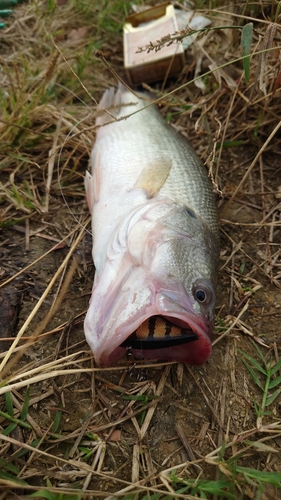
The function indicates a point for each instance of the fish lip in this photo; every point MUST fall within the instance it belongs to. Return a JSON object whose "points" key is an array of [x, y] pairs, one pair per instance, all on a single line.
{"points": [[195, 352]]}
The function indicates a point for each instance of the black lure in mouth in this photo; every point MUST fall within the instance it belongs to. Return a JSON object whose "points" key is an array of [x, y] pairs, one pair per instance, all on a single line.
{"points": [[158, 333]]}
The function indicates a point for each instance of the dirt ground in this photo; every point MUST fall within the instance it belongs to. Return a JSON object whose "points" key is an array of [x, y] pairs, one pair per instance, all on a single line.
{"points": [[123, 430]]}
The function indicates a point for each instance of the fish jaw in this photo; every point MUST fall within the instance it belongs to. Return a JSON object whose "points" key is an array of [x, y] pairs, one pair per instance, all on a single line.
{"points": [[141, 276], [193, 353], [125, 309]]}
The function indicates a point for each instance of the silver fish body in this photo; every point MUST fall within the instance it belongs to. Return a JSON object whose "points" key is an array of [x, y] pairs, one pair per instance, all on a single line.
{"points": [[155, 234]]}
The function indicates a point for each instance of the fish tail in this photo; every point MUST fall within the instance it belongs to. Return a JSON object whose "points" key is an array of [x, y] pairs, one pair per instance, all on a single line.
{"points": [[106, 102], [115, 103]]}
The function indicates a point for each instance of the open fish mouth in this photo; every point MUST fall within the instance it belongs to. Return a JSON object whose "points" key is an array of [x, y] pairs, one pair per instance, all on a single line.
{"points": [[157, 332], [151, 323], [166, 338]]}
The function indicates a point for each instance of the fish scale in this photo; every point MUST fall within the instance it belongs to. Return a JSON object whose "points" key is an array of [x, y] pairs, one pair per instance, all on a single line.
{"points": [[155, 233]]}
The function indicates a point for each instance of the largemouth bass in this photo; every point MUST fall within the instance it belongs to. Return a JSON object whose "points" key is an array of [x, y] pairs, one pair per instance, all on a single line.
{"points": [[155, 238]]}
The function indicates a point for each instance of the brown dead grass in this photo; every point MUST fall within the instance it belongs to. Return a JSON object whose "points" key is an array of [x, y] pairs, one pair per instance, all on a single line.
{"points": [[112, 432]]}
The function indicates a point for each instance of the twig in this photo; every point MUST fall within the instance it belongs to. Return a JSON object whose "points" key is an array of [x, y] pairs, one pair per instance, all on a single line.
{"points": [[187, 447], [136, 463], [152, 409], [235, 320]]}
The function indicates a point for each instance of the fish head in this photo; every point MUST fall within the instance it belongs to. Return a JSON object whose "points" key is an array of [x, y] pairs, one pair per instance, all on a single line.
{"points": [[161, 261]]}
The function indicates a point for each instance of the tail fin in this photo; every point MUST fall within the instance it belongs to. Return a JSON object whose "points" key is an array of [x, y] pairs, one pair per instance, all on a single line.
{"points": [[115, 103], [106, 102]]}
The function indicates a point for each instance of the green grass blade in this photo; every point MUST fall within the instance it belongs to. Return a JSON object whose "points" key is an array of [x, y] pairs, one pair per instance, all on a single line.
{"points": [[205, 487], [23, 452], [9, 404], [25, 407], [246, 41], [49, 495], [182, 490], [274, 382], [203, 496], [217, 488], [253, 374], [9, 429], [8, 466], [254, 363], [142, 417], [137, 397], [260, 446], [276, 367], [57, 420], [15, 420], [87, 453], [271, 398], [260, 353], [273, 478], [9, 477], [222, 451]]}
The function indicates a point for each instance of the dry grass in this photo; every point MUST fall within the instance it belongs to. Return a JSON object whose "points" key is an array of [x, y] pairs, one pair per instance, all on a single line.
{"points": [[69, 429]]}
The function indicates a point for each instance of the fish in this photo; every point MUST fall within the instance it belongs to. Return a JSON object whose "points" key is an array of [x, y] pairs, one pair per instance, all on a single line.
{"points": [[155, 238]]}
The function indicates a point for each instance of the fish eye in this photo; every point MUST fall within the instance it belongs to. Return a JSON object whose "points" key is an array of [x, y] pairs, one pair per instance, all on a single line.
{"points": [[202, 293]]}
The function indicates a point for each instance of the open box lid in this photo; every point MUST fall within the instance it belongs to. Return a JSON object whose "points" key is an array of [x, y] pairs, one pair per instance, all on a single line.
{"points": [[143, 27]]}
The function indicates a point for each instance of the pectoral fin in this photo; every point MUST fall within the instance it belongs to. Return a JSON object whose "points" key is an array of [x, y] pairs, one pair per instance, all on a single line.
{"points": [[154, 176]]}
